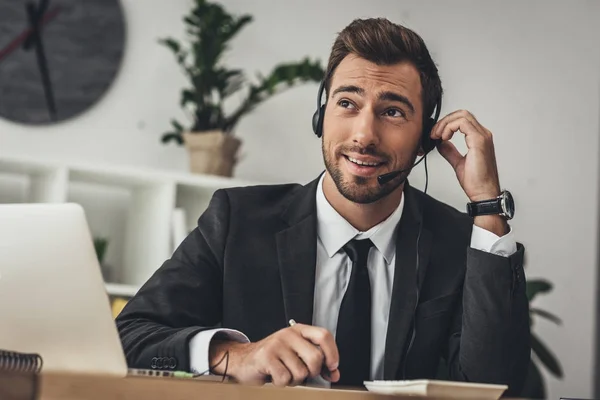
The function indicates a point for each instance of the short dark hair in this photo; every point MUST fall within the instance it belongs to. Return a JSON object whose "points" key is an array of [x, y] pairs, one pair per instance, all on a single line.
{"points": [[384, 43]]}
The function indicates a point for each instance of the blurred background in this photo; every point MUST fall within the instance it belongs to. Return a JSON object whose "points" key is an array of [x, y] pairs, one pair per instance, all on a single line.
{"points": [[91, 111]]}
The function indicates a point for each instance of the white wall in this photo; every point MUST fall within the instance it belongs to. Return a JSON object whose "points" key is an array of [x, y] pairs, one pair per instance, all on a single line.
{"points": [[528, 70]]}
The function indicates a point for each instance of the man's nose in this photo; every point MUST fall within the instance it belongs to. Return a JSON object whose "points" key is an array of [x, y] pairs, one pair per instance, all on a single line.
{"points": [[365, 129]]}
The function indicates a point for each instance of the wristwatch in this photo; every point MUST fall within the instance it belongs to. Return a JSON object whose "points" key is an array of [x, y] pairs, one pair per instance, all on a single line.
{"points": [[502, 205]]}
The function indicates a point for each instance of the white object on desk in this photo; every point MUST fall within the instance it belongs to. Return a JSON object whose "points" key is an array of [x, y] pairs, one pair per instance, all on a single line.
{"points": [[52, 297], [438, 389]]}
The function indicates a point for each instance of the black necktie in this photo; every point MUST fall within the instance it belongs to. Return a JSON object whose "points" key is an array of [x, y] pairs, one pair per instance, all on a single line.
{"points": [[353, 334]]}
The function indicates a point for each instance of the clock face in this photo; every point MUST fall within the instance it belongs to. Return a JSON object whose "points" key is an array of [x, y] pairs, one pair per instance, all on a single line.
{"points": [[57, 57]]}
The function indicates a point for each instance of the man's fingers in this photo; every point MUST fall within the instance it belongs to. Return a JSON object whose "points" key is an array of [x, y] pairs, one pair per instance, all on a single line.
{"points": [[450, 153], [473, 137], [473, 120], [311, 355], [332, 376], [295, 365], [440, 127], [323, 338], [279, 373]]}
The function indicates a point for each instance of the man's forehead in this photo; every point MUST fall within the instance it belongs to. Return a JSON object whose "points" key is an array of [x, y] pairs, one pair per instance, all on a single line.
{"points": [[402, 77]]}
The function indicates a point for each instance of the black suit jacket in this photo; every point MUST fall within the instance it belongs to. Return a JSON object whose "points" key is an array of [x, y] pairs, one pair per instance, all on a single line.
{"points": [[250, 265]]}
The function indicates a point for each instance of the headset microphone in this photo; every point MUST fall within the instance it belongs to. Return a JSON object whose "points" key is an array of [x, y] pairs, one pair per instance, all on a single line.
{"points": [[385, 178]]}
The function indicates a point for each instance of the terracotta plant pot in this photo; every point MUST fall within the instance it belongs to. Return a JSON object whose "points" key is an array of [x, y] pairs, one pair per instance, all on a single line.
{"points": [[212, 152]]}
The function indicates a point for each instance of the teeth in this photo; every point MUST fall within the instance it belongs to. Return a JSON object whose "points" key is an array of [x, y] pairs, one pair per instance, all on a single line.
{"points": [[355, 161]]}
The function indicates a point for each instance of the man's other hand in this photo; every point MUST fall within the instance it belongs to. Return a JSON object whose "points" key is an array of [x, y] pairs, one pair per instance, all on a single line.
{"points": [[288, 357]]}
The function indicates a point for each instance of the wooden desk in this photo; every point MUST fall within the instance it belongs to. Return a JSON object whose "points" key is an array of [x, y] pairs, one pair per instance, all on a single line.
{"points": [[82, 387]]}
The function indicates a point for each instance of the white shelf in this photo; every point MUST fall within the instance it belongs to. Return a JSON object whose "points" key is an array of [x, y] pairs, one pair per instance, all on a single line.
{"points": [[122, 175], [142, 236], [119, 289]]}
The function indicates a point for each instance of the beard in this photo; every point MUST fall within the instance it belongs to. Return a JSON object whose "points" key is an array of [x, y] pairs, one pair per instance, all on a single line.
{"points": [[358, 189]]}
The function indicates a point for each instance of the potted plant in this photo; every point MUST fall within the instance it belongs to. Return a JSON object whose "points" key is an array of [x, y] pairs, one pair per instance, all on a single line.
{"points": [[208, 135]]}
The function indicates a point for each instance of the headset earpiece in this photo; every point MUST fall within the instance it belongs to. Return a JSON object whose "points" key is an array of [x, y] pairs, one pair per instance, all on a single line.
{"points": [[317, 121], [319, 115], [427, 143]]}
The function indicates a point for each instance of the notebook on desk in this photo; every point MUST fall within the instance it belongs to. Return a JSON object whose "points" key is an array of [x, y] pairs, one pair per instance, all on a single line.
{"points": [[437, 389]]}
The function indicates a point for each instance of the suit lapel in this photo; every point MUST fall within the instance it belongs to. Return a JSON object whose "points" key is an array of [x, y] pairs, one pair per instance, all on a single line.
{"points": [[297, 254], [405, 289]]}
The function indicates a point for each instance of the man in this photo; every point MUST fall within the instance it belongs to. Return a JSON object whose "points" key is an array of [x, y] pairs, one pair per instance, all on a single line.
{"points": [[383, 281]]}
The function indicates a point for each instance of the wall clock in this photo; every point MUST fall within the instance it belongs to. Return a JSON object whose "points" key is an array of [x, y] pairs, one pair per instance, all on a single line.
{"points": [[57, 57]]}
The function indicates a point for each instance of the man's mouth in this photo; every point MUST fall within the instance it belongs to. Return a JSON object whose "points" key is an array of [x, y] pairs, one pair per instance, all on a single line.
{"points": [[364, 163]]}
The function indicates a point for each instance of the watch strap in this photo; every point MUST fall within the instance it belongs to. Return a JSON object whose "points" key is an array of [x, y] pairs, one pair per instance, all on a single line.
{"points": [[485, 207]]}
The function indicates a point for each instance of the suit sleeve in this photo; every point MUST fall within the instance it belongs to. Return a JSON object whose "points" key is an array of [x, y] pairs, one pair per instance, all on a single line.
{"points": [[183, 297], [489, 340]]}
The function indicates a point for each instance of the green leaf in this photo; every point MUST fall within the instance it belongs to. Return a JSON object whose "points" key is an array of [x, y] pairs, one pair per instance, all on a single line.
{"points": [[187, 96], [535, 287], [171, 44], [193, 20], [228, 81], [231, 31], [181, 57], [167, 137], [178, 127], [545, 356], [100, 245], [546, 314]]}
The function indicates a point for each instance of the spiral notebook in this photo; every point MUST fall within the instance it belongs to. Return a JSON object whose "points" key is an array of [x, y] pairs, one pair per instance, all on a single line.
{"points": [[12, 361], [19, 374]]}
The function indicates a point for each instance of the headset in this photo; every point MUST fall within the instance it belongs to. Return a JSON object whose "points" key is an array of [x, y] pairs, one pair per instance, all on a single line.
{"points": [[427, 145]]}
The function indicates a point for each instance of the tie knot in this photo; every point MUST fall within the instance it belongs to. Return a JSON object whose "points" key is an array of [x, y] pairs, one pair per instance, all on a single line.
{"points": [[358, 250]]}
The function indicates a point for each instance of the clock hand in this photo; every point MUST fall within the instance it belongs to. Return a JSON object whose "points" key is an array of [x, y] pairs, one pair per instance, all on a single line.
{"points": [[39, 13], [23, 36], [34, 18]]}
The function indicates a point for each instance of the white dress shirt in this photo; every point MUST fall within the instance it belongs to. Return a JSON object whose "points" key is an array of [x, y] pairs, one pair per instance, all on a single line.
{"points": [[332, 274]]}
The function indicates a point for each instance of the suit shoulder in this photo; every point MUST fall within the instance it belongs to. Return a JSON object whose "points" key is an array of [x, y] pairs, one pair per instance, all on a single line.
{"points": [[262, 191], [261, 196]]}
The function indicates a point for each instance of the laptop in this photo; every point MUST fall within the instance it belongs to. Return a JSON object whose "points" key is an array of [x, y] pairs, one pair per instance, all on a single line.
{"points": [[52, 296]]}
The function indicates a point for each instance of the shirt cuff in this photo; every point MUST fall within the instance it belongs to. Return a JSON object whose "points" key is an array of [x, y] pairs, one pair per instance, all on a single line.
{"points": [[200, 346], [484, 240]]}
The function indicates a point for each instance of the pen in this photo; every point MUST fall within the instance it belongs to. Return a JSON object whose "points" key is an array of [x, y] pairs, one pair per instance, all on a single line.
{"points": [[324, 370]]}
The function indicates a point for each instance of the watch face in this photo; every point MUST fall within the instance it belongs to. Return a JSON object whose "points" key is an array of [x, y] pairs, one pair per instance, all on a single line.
{"points": [[508, 204]]}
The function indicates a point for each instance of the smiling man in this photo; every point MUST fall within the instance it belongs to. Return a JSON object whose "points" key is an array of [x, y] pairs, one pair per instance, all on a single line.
{"points": [[381, 280]]}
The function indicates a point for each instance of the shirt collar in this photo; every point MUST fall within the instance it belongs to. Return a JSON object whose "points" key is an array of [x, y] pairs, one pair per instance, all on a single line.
{"points": [[334, 231]]}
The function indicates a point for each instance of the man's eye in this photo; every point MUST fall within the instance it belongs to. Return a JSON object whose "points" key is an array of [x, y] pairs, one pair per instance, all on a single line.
{"points": [[345, 104], [394, 112]]}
